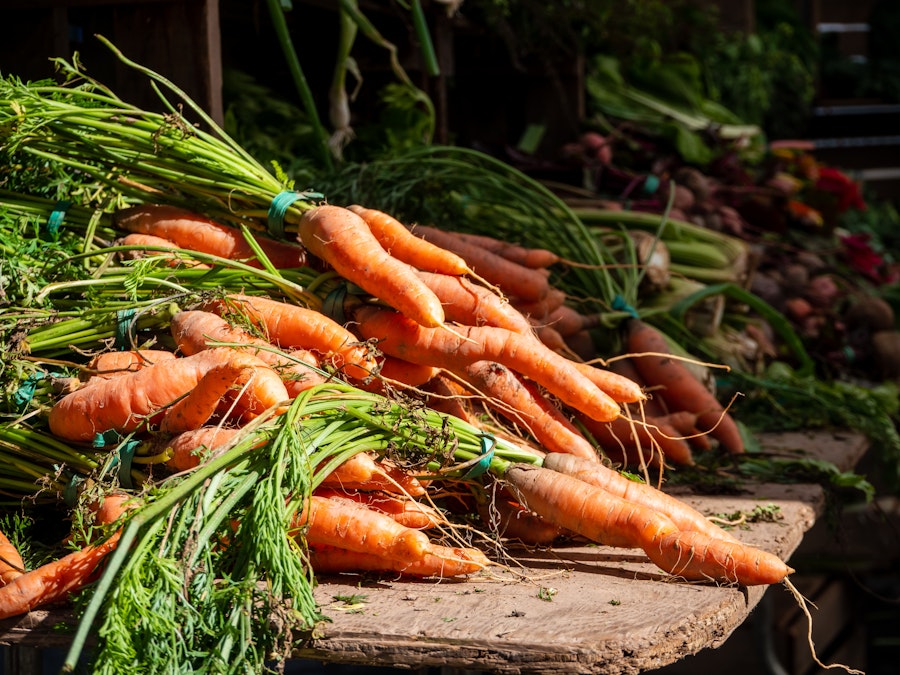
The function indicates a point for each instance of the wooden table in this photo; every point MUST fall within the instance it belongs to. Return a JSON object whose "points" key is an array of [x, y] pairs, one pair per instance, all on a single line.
{"points": [[578, 609]]}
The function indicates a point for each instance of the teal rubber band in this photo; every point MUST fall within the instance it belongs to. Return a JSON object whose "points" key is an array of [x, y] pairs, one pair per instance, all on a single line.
{"points": [[651, 184], [57, 216], [620, 305], [124, 459], [23, 395], [488, 444], [277, 210], [124, 333], [70, 492], [104, 438]]}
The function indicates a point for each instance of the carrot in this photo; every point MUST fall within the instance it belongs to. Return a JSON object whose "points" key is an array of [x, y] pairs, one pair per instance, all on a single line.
{"points": [[150, 241], [685, 423], [193, 330], [347, 524], [525, 406], [678, 386], [607, 519], [640, 441], [474, 305], [197, 233], [683, 516], [129, 402], [450, 398], [406, 511], [293, 327], [11, 564], [403, 245], [505, 517], [568, 320], [442, 562], [363, 472], [652, 405], [112, 364], [405, 372], [455, 351], [188, 449], [343, 240], [535, 258], [53, 582], [619, 388], [513, 279], [539, 310]]}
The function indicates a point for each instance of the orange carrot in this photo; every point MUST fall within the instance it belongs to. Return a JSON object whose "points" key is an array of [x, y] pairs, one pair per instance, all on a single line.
{"points": [[599, 475], [607, 519], [678, 386], [535, 258], [193, 330], [403, 245], [112, 364], [640, 440], [188, 449], [342, 239], [405, 339], [11, 564], [347, 524], [474, 305], [619, 388], [505, 517], [293, 327], [567, 320], [685, 423], [539, 310], [442, 562], [197, 233], [405, 372], [363, 472], [404, 510], [513, 279], [128, 402], [53, 582], [652, 404], [148, 241], [527, 407]]}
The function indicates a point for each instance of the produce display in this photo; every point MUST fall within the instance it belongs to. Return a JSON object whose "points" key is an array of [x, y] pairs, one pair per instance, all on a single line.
{"points": [[231, 385]]}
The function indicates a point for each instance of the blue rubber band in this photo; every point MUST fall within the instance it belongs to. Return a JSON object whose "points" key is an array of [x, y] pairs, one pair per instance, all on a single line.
{"points": [[70, 492], [651, 184], [277, 210], [57, 216], [124, 333], [123, 459], [103, 439], [23, 395], [620, 305], [488, 444]]}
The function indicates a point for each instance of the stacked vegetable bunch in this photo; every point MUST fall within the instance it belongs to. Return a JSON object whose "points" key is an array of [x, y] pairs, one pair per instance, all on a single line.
{"points": [[235, 385]]}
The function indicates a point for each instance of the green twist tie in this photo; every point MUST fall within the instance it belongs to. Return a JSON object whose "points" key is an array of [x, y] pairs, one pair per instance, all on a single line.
{"points": [[488, 443], [103, 439], [123, 459], [333, 304], [279, 206], [57, 216], [124, 334], [70, 492], [620, 305]]}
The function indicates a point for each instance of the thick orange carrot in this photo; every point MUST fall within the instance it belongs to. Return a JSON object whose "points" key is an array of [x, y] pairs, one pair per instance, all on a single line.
{"points": [[403, 245], [535, 258], [441, 562], [293, 327], [405, 372], [678, 386], [112, 364], [11, 564], [128, 402], [148, 241], [404, 510], [640, 440], [607, 519], [619, 388], [405, 339], [567, 320], [194, 330], [506, 518], [189, 448], [513, 279], [363, 472], [683, 516], [474, 305], [343, 240], [53, 582], [526, 407], [539, 310], [347, 524], [195, 232]]}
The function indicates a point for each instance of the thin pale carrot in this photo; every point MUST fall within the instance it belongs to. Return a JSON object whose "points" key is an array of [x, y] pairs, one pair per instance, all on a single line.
{"points": [[127, 403], [474, 305], [293, 327], [607, 519], [513, 279], [619, 388], [11, 564], [526, 407], [441, 562], [567, 320], [196, 232], [539, 310], [535, 258], [506, 518], [599, 475], [640, 440], [454, 351], [678, 386], [347, 524], [343, 240], [196, 330]]}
